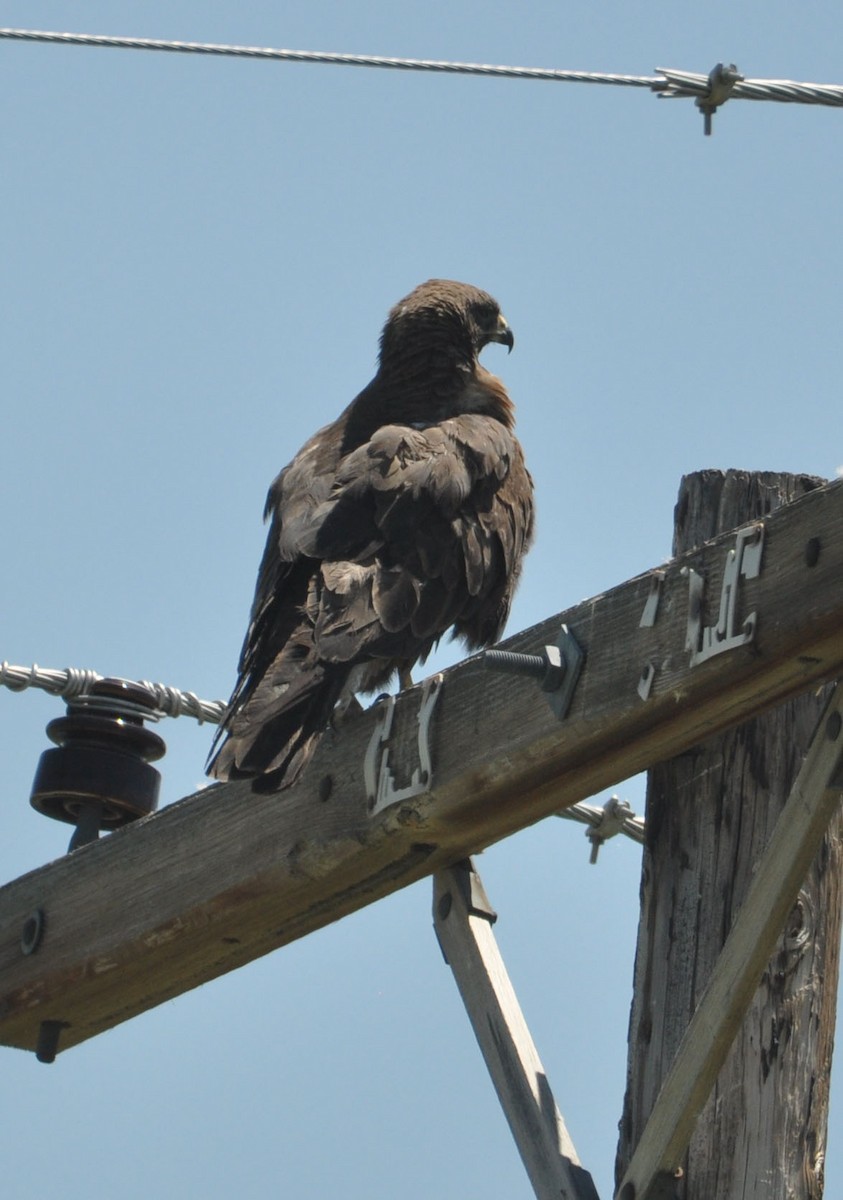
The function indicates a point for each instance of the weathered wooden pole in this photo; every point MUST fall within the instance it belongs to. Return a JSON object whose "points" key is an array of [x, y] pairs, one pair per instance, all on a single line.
{"points": [[710, 813]]}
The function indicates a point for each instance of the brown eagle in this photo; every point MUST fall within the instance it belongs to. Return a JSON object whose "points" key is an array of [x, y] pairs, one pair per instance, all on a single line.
{"points": [[406, 517]]}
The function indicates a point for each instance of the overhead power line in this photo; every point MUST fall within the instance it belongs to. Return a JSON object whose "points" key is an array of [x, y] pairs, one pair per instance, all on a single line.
{"points": [[73, 682], [722, 83], [325, 57]]}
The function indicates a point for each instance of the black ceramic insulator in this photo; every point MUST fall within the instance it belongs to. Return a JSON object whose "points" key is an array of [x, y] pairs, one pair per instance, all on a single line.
{"points": [[99, 776]]}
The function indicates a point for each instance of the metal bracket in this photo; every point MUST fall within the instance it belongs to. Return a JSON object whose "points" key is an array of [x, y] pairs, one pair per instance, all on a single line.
{"points": [[645, 680], [651, 607], [743, 561], [381, 791], [573, 658]]}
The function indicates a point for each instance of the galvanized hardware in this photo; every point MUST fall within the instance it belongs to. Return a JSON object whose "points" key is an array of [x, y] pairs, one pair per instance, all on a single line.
{"points": [[380, 782], [651, 606], [547, 667], [465, 878], [557, 668], [613, 817], [744, 561], [98, 776], [471, 886], [648, 620], [33, 931], [721, 82], [612, 822], [645, 681]]}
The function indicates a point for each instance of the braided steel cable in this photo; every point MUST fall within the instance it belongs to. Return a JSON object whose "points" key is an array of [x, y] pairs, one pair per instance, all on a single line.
{"points": [[667, 81], [73, 682]]}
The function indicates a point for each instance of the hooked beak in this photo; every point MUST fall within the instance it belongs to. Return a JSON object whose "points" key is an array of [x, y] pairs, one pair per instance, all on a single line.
{"points": [[504, 334]]}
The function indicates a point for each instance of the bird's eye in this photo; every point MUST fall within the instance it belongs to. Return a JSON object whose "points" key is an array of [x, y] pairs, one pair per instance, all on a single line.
{"points": [[486, 316]]}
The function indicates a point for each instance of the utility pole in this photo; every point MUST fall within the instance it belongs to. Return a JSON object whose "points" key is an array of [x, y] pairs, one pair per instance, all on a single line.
{"points": [[710, 814]]}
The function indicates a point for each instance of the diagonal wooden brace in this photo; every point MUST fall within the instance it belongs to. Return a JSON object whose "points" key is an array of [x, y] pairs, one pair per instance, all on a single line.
{"points": [[463, 921]]}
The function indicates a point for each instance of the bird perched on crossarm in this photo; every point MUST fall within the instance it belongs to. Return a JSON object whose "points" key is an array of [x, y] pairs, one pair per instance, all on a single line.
{"points": [[406, 517]]}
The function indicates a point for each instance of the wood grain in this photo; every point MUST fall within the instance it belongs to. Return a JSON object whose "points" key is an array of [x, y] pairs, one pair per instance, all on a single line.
{"points": [[464, 930], [710, 814], [224, 876]]}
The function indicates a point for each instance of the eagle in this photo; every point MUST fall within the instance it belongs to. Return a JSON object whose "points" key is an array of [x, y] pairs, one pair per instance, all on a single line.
{"points": [[406, 517]]}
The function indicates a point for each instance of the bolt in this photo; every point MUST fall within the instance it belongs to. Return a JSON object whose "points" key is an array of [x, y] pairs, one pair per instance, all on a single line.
{"points": [[47, 1046], [548, 667], [88, 823]]}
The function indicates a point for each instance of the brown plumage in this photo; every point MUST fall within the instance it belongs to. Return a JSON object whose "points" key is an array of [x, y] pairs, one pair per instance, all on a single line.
{"points": [[406, 517]]}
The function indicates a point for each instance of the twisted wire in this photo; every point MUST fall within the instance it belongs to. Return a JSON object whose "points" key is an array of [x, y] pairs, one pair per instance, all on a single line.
{"points": [[667, 81], [73, 682], [318, 56], [785, 91]]}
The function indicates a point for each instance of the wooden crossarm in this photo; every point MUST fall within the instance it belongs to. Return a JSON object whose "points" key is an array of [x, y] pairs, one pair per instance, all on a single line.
{"points": [[224, 876]]}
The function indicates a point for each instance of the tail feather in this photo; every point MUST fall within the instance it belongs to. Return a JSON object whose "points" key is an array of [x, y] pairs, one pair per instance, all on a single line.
{"points": [[271, 737]]}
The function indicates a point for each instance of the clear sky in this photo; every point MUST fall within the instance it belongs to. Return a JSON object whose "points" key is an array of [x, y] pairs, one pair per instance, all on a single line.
{"points": [[198, 255]]}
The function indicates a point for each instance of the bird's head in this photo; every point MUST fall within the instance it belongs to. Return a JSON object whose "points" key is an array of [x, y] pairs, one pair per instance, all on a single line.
{"points": [[443, 318]]}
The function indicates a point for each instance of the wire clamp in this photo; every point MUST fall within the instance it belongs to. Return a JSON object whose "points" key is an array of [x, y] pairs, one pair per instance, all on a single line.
{"points": [[721, 81], [710, 91], [611, 822]]}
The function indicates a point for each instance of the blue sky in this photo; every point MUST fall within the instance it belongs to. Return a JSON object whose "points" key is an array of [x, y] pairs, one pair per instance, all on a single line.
{"points": [[198, 255]]}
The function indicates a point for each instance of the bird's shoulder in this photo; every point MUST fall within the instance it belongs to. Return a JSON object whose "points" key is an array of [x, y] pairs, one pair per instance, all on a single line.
{"points": [[392, 454]]}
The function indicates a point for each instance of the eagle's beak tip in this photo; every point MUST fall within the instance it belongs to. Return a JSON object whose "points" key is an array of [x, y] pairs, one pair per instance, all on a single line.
{"points": [[505, 336]]}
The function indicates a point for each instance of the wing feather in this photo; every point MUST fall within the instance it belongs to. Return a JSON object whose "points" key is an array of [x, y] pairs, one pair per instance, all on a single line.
{"points": [[384, 533]]}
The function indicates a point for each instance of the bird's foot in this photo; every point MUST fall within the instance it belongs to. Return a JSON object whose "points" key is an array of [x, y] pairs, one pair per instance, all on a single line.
{"points": [[344, 707]]}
